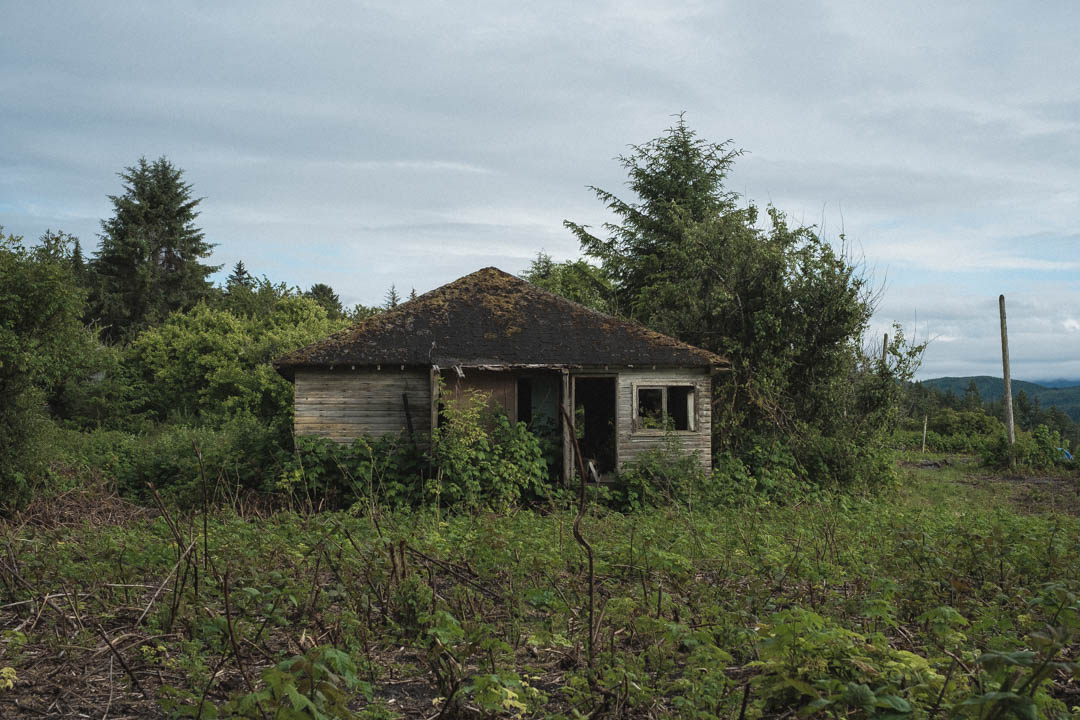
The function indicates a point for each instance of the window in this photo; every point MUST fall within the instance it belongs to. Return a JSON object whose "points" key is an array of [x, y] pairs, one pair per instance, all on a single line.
{"points": [[659, 406]]}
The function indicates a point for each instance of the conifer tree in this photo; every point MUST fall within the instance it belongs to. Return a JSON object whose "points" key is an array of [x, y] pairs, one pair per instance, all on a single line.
{"points": [[239, 277], [392, 298], [148, 264], [327, 298]]}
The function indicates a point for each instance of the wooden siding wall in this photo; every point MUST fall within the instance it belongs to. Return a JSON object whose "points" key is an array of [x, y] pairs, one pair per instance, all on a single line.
{"points": [[344, 404], [499, 386], [631, 443]]}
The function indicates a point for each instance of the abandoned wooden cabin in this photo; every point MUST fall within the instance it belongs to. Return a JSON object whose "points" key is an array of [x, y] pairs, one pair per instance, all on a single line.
{"points": [[530, 351]]}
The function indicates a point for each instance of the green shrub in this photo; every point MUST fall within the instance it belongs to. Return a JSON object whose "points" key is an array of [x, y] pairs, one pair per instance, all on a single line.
{"points": [[475, 458], [965, 422], [317, 685], [482, 459], [388, 470], [242, 454], [662, 476], [1037, 450]]}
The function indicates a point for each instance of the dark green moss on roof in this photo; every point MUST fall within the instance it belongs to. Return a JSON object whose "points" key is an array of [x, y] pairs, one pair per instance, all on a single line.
{"points": [[492, 317]]}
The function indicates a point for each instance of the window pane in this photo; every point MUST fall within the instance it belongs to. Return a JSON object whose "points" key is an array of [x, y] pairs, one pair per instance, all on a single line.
{"points": [[650, 407], [678, 406]]}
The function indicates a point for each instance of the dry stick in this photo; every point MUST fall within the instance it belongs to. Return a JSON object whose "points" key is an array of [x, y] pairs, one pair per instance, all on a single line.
{"points": [[75, 607], [123, 663], [213, 676], [46, 600], [168, 518], [108, 705], [456, 573], [577, 527], [941, 695], [165, 582], [202, 475], [232, 637], [180, 583]]}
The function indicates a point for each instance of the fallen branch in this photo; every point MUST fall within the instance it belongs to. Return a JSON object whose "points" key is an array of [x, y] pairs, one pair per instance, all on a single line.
{"points": [[123, 663]]}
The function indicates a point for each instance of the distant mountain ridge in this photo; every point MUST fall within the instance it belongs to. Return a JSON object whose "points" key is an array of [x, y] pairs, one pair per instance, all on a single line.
{"points": [[1065, 397]]}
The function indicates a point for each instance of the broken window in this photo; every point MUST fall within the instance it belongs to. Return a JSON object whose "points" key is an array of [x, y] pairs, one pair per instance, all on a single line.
{"points": [[650, 407], [667, 406]]}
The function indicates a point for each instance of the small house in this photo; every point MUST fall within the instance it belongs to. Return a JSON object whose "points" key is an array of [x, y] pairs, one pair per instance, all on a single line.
{"points": [[530, 351]]}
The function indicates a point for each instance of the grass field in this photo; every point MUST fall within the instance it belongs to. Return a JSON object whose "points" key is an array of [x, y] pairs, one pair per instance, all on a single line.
{"points": [[955, 595]]}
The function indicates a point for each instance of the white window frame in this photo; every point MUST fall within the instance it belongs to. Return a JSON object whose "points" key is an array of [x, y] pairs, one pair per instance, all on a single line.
{"points": [[691, 406]]}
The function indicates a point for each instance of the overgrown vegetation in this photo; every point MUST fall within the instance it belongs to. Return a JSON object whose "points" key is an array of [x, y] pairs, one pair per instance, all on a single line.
{"points": [[941, 599]]}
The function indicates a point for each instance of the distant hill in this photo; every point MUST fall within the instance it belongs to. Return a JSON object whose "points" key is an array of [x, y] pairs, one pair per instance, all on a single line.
{"points": [[1067, 399]]}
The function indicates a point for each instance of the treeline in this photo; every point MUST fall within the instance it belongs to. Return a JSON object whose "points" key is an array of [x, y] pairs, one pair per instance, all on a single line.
{"points": [[117, 364], [121, 365], [967, 423]]}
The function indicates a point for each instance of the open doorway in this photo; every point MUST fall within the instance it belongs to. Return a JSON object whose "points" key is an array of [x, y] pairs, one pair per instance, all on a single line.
{"points": [[594, 418]]}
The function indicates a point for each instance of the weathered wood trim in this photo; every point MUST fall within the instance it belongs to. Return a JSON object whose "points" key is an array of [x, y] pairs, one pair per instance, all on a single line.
{"points": [[567, 440]]}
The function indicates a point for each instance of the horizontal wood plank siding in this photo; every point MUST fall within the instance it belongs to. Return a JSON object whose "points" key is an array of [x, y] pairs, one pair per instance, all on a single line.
{"points": [[342, 405], [500, 388], [631, 443]]}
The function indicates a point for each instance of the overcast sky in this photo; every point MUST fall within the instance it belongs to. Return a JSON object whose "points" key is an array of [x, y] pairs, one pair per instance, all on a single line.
{"points": [[364, 144]]}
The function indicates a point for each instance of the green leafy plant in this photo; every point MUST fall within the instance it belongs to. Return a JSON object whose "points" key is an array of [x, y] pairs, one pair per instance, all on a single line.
{"points": [[482, 459], [317, 685]]}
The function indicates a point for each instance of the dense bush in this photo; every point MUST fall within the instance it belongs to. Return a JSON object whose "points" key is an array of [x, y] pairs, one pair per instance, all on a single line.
{"points": [[662, 476], [387, 470], [482, 459], [788, 308], [938, 443], [211, 365], [965, 422], [1040, 449], [41, 339]]}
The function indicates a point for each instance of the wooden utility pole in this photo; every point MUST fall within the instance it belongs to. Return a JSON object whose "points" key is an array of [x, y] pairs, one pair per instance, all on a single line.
{"points": [[1005, 371], [924, 419], [885, 350]]}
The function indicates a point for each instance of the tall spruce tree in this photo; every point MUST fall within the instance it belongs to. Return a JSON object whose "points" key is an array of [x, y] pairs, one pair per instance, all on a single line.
{"points": [[148, 263]]}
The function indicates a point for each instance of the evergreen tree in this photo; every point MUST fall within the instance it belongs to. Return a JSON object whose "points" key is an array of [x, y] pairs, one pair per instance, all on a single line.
{"points": [[42, 344], [575, 280], [78, 264], [239, 277], [1022, 410], [361, 312], [392, 298], [678, 180], [148, 263], [327, 298], [972, 398], [412, 294]]}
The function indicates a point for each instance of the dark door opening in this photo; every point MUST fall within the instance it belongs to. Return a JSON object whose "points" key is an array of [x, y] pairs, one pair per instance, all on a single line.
{"points": [[524, 401], [594, 418]]}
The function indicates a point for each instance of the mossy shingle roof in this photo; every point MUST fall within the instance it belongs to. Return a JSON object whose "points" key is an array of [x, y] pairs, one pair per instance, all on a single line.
{"points": [[493, 318]]}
